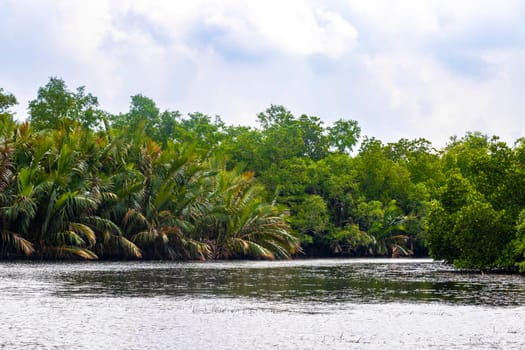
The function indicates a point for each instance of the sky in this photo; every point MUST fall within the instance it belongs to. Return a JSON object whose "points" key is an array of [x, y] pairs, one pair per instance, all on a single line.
{"points": [[402, 69]]}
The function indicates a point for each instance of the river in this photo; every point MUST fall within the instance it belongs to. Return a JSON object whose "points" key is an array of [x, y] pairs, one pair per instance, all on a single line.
{"points": [[298, 304]]}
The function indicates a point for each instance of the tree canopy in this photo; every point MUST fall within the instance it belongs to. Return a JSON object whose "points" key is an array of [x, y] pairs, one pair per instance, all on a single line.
{"points": [[155, 184]]}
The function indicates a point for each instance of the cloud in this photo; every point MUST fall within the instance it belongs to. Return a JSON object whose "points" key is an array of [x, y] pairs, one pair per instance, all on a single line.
{"points": [[402, 69], [290, 27]]}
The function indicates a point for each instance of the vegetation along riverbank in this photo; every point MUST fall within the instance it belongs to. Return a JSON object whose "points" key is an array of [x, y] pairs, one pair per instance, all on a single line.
{"points": [[78, 182]]}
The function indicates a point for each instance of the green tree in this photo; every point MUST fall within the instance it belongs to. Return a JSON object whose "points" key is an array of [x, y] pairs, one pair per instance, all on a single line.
{"points": [[241, 145], [273, 116], [241, 224], [338, 185], [199, 129], [159, 219], [7, 101], [464, 228], [314, 139], [11, 241], [482, 235], [379, 177], [310, 219], [344, 135], [389, 232], [519, 242], [168, 126], [56, 107], [143, 118]]}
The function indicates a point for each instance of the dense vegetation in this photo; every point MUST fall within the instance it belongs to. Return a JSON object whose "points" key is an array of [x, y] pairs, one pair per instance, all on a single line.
{"points": [[76, 181]]}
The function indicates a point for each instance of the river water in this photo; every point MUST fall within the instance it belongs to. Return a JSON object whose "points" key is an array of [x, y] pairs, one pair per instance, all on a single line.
{"points": [[300, 304]]}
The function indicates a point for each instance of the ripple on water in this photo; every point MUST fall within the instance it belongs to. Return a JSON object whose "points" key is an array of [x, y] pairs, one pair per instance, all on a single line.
{"points": [[282, 305]]}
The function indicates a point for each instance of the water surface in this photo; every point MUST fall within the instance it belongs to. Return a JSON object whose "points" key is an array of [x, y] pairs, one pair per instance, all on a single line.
{"points": [[301, 304]]}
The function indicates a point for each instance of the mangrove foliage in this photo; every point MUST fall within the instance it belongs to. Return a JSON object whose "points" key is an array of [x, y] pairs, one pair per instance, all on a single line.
{"points": [[79, 182]]}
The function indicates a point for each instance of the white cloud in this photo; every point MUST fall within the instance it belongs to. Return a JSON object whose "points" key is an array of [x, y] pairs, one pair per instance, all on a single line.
{"points": [[403, 69]]}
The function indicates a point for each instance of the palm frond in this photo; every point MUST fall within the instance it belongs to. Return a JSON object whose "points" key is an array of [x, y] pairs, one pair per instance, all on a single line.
{"points": [[145, 237], [12, 241], [134, 216], [85, 231], [101, 224], [66, 251], [130, 248], [196, 249], [242, 247], [66, 237]]}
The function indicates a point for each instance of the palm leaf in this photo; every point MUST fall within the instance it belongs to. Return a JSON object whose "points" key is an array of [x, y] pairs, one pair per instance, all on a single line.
{"points": [[67, 237], [101, 224], [11, 240], [145, 237], [70, 251], [85, 231], [135, 216], [250, 248], [127, 246]]}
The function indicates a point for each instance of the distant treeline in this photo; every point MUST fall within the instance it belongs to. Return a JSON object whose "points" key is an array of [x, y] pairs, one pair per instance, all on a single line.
{"points": [[78, 182]]}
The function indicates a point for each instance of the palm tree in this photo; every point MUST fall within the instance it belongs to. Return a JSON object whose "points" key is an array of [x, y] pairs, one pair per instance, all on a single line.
{"points": [[389, 233], [51, 181], [159, 221], [110, 239], [10, 241], [241, 224], [109, 180]]}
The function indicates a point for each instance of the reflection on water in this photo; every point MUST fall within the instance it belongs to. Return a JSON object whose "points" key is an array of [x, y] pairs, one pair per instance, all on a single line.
{"points": [[359, 303], [359, 281]]}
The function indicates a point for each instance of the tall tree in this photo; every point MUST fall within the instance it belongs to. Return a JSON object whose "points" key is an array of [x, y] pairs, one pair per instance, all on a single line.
{"points": [[56, 107], [7, 101], [143, 117], [344, 135]]}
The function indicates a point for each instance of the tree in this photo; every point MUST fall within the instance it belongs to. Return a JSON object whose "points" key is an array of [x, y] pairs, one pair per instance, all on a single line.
{"points": [[11, 241], [285, 137], [312, 132], [388, 231], [241, 146], [482, 235], [7, 100], [56, 107], [518, 243], [464, 228], [143, 118], [338, 185], [351, 240], [487, 163], [310, 219], [420, 158], [241, 224], [7, 122], [199, 129], [344, 134], [168, 126], [379, 177], [160, 219], [273, 116]]}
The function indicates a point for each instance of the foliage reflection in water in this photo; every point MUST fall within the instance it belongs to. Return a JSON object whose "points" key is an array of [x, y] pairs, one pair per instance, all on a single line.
{"points": [[336, 304], [358, 281]]}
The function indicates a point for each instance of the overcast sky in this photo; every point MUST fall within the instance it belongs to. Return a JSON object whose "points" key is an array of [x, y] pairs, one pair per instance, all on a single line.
{"points": [[402, 69]]}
